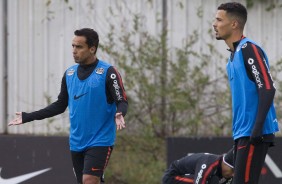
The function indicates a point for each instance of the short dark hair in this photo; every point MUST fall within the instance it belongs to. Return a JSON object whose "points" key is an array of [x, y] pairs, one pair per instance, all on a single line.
{"points": [[237, 10], [92, 38]]}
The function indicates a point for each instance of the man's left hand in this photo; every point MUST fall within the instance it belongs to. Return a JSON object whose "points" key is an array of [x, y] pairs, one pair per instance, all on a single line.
{"points": [[119, 121]]}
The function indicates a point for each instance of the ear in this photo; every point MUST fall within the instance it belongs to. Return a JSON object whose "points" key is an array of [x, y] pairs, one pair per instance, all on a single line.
{"points": [[92, 49], [235, 24]]}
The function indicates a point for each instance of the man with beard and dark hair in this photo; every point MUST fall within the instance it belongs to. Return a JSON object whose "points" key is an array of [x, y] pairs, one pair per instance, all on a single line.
{"points": [[94, 94], [252, 89]]}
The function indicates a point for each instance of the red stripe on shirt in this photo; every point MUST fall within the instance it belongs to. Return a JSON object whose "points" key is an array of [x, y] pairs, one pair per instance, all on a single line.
{"points": [[248, 165], [186, 180], [211, 167], [262, 67]]}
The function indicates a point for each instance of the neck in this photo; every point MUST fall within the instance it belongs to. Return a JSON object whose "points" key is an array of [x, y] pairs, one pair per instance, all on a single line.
{"points": [[233, 38], [90, 60]]}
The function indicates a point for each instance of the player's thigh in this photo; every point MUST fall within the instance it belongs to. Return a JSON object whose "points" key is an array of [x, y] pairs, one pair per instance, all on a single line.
{"points": [[96, 159], [78, 164], [249, 160]]}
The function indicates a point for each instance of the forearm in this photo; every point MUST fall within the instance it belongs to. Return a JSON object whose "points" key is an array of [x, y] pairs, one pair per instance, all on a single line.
{"points": [[265, 100], [47, 112], [51, 110], [122, 107]]}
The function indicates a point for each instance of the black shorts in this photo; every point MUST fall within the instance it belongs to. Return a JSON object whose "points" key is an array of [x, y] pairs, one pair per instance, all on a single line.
{"points": [[248, 160], [92, 161]]}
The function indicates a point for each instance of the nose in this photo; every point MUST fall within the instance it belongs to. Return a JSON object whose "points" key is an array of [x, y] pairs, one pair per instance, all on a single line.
{"points": [[214, 24], [73, 50]]}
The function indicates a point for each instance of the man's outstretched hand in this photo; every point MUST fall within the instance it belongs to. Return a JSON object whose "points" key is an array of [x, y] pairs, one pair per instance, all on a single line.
{"points": [[18, 120]]}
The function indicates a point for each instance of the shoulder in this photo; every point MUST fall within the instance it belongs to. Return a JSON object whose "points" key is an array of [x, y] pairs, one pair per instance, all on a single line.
{"points": [[252, 50], [210, 160], [248, 44], [71, 70], [102, 67], [104, 64], [205, 158]]}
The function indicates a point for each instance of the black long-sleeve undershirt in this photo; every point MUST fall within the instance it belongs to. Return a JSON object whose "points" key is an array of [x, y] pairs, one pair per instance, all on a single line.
{"points": [[114, 91]]}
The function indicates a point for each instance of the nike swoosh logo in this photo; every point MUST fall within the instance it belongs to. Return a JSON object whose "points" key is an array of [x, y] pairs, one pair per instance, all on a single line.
{"points": [[21, 178], [94, 169], [77, 97]]}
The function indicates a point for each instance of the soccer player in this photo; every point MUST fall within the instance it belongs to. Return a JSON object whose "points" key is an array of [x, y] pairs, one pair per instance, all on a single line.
{"points": [[252, 90], [94, 94], [201, 168]]}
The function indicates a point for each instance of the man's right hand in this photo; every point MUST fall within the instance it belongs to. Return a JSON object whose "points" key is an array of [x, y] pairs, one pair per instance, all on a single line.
{"points": [[256, 140], [18, 120]]}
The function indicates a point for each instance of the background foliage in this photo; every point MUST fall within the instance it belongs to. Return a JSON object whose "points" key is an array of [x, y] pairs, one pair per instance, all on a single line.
{"points": [[189, 102]]}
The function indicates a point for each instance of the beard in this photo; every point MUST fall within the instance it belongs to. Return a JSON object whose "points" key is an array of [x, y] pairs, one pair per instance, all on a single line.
{"points": [[78, 61], [218, 37]]}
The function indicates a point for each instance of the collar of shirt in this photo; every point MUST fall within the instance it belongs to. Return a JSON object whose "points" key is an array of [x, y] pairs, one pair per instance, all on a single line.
{"points": [[235, 44]]}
